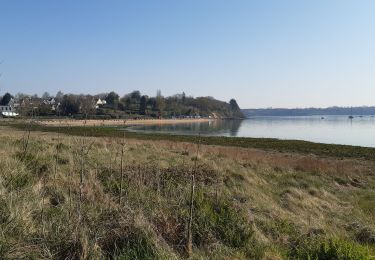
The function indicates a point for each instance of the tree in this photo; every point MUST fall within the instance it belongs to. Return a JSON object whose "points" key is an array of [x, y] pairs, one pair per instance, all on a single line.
{"points": [[46, 96], [132, 101], [87, 104], [233, 105], [59, 96], [70, 105], [143, 105], [112, 99], [159, 103], [20, 96], [136, 96], [151, 102], [44, 109], [6, 99], [235, 110]]}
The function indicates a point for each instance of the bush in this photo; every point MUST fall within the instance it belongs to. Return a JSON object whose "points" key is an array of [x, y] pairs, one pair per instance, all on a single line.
{"points": [[366, 235]]}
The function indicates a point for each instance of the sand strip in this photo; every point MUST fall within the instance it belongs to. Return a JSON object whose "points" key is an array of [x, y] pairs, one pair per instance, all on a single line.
{"points": [[117, 122]]}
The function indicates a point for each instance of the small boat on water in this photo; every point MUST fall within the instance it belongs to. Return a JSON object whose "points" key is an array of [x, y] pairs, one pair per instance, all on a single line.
{"points": [[351, 113]]}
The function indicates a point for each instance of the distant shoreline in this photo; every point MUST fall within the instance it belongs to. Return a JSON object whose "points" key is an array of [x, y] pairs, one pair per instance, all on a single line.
{"points": [[119, 122], [330, 111]]}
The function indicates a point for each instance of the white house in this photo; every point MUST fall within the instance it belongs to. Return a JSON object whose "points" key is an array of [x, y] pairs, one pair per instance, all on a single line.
{"points": [[50, 101], [7, 108], [100, 103], [9, 114], [8, 111]]}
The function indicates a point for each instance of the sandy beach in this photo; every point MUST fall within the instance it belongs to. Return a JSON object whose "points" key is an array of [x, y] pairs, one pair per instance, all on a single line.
{"points": [[117, 122]]}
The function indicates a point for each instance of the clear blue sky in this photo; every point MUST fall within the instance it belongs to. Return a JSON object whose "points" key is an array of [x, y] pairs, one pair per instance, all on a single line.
{"points": [[264, 53]]}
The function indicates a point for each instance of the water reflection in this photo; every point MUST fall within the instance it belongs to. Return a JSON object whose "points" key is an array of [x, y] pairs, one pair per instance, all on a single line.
{"points": [[328, 129], [213, 127]]}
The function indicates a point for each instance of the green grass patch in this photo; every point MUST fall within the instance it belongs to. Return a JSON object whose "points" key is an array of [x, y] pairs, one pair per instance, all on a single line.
{"points": [[219, 220], [129, 243], [366, 202], [328, 248]]}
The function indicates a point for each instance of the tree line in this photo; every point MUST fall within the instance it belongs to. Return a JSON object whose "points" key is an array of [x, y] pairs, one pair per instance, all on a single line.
{"points": [[133, 104]]}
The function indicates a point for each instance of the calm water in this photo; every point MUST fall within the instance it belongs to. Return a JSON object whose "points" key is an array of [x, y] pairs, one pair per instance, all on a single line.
{"points": [[331, 129]]}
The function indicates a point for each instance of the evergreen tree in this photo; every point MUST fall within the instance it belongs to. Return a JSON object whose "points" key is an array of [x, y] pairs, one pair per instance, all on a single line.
{"points": [[6, 99], [112, 99], [143, 105]]}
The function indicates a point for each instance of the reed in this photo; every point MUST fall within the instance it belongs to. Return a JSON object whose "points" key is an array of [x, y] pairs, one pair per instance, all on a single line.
{"points": [[122, 166], [192, 193]]}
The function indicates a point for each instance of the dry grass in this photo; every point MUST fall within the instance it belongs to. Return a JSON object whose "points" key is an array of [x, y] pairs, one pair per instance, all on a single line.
{"points": [[273, 198]]}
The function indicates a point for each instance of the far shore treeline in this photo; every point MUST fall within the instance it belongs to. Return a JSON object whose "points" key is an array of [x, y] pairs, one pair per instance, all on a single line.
{"points": [[111, 105], [364, 111]]}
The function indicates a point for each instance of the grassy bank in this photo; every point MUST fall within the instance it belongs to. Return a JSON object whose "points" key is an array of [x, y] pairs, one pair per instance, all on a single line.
{"points": [[106, 197], [294, 146]]}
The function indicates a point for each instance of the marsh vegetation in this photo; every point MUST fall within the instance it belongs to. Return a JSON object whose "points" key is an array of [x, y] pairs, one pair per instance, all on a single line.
{"points": [[95, 196]]}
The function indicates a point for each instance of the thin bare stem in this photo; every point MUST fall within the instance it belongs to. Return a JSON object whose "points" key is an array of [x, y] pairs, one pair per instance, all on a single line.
{"points": [[122, 165], [189, 246]]}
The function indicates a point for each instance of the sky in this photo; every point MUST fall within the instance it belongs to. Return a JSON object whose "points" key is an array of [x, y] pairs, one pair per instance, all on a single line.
{"points": [[268, 53]]}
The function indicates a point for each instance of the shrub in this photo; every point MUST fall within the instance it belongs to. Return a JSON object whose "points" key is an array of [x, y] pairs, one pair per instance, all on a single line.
{"points": [[366, 235]]}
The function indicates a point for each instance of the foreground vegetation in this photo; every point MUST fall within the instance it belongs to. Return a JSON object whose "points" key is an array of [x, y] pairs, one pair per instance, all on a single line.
{"points": [[106, 196]]}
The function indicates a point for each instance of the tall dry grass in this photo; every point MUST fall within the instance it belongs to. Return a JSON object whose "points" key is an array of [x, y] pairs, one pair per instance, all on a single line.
{"points": [[87, 200]]}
